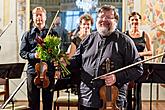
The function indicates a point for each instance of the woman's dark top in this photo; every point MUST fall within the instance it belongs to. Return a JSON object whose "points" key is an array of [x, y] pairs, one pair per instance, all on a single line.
{"points": [[163, 59], [75, 78], [139, 43], [76, 40]]}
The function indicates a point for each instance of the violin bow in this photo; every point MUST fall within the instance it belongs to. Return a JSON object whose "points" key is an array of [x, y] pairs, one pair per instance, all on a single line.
{"points": [[52, 22], [6, 27], [129, 66]]}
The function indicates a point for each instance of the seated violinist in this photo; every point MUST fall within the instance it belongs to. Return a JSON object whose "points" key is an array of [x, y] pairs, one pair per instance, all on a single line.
{"points": [[28, 52], [100, 52]]}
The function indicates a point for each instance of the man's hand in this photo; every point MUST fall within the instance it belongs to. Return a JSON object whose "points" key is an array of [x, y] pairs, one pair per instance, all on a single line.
{"points": [[57, 75], [109, 79], [58, 67], [36, 55], [63, 61]]}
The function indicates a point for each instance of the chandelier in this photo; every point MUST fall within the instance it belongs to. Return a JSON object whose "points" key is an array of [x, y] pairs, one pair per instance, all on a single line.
{"points": [[86, 5]]}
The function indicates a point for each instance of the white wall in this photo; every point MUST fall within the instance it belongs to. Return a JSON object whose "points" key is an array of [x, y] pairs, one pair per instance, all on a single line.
{"points": [[1, 13], [10, 42]]}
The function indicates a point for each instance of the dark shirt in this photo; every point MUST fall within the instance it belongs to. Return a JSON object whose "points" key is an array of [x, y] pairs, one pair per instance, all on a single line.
{"points": [[91, 54], [28, 48]]}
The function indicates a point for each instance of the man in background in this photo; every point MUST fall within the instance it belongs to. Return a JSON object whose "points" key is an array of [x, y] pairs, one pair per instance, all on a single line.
{"points": [[63, 33]]}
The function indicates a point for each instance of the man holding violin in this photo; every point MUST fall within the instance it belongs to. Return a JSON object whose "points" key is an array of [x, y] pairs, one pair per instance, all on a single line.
{"points": [[92, 54], [28, 52]]}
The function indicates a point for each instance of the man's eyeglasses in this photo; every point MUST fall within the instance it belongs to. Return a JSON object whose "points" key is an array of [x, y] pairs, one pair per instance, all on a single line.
{"points": [[105, 17]]}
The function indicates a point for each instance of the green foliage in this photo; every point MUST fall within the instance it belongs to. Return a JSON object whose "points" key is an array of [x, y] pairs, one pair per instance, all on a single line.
{"points": [[51, 48], [51, 51]]}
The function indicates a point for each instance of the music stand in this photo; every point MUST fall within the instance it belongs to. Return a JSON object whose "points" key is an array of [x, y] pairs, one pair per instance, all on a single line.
{"points": [[153, 73], [11, 71]]}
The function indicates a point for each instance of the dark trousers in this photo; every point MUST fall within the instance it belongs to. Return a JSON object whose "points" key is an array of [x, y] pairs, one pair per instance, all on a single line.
{"points": [[34, 94], [129, 99], [81, 107], [137, 105], [137, 92]]}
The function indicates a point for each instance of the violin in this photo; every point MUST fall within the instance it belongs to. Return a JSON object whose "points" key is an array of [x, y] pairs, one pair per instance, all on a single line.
{"points": [[41, 80], [108, 94]]}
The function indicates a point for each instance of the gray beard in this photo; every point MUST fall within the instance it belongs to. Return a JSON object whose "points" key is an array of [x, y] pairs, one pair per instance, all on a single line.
{"points": [[105, 31]]}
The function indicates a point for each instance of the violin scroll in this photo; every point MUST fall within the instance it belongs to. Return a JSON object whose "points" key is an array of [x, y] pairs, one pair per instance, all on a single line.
{"points": [[40, 41]]}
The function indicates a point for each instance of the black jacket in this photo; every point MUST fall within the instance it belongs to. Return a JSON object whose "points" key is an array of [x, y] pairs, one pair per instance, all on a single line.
{"points": [[90, 56]]}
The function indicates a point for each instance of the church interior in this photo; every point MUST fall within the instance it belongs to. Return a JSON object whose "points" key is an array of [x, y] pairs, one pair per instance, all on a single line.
{"points": [[16, 18]]}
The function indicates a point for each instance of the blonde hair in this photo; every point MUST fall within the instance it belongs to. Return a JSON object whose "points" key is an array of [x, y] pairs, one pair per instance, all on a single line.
{"points": [[38, 9]]}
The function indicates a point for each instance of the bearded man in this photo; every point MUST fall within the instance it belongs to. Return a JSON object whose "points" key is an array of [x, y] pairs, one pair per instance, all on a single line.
{"points": [[91, 57]]}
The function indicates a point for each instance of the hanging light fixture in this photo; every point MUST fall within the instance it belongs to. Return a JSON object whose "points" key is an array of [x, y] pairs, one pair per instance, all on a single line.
{"points": [[86, 5]]}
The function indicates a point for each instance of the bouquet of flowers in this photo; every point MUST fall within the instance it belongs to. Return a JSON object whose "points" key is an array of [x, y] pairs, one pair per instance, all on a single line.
{"points": [[49, 49]]}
